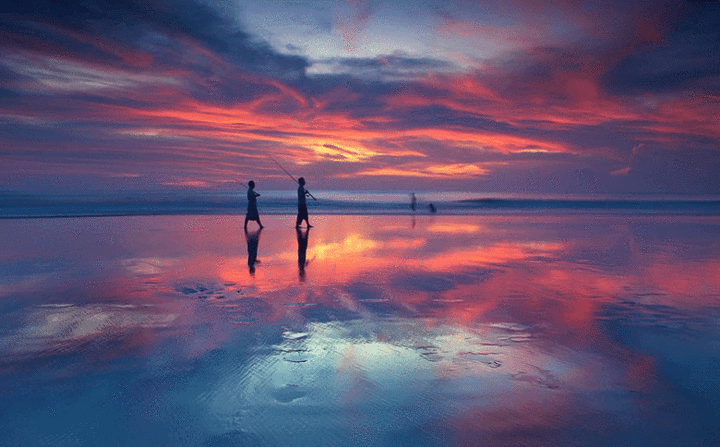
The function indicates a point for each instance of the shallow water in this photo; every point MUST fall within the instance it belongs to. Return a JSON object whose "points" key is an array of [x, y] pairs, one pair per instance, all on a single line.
{"points": [[433, 330], [20, 205]]}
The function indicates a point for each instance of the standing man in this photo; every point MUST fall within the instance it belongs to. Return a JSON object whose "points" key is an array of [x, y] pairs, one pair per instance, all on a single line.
{"points": [[252, 210], [302, 204]]}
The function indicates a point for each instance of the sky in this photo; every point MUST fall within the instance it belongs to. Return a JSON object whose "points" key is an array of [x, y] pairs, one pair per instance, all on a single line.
{"points": [[521, 96]]}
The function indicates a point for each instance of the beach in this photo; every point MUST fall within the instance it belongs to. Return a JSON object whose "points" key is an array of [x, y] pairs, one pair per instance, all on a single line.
{"points": [[487, 329]]}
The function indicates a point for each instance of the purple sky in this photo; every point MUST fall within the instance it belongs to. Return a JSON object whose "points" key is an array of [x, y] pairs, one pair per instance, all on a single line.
{"points": [[499, 96]]}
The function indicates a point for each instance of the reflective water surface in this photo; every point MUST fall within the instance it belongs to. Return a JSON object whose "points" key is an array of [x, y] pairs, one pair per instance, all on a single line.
{"points": [[365, 330]]}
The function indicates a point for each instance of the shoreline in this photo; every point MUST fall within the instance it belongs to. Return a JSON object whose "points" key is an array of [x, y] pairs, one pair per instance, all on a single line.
{"points": [[96, 207], [624, 212]]}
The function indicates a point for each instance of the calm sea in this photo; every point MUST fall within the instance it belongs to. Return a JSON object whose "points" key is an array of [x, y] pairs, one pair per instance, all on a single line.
{"points": [[354, 202]]}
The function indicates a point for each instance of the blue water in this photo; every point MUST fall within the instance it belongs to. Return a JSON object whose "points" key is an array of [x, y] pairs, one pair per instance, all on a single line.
{"points": [[425, 330], [353, 203]]}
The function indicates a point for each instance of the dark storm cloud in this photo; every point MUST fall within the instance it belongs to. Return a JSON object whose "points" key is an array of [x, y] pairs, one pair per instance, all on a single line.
{"points": [[688, 59], [658, 48], [150, 35]]}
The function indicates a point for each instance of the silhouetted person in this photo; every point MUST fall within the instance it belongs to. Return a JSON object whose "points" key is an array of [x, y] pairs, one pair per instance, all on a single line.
{"points": [[302, 238], [252, 211], [413, 202], [253, 239], [302, 204], [432, 208]]}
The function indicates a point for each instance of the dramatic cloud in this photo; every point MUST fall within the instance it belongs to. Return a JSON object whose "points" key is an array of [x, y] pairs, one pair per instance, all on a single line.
{"points": [[509, 96]]}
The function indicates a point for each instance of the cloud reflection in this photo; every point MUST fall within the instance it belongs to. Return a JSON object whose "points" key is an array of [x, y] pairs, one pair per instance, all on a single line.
{"points": [[504, 328]]}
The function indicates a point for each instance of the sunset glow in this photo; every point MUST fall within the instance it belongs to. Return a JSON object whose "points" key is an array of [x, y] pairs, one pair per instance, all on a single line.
{"points": [[503, 98]]}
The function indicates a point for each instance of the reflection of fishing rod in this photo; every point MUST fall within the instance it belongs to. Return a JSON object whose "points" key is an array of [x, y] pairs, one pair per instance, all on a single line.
{"points": [[290, 175]]}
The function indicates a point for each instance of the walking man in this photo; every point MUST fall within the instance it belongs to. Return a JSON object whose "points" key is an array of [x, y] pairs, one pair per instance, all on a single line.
{"points": [[252, 210]]}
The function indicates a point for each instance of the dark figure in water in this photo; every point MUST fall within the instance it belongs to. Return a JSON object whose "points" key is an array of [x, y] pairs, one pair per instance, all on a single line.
{"points": [[302, 204], [432, 208], [302, 238], [413, 202], [252, 211], [253, 239]]}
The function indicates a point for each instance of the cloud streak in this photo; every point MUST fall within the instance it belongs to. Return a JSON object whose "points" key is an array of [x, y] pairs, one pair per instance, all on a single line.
{"points": [[119, 90]]}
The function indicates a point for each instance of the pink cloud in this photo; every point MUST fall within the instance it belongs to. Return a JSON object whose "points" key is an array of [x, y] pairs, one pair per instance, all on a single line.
{"points": [[351, 23]]}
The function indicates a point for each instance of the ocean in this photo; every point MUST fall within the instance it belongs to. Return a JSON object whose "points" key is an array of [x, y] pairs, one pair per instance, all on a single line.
{"points": [[352, 203]]}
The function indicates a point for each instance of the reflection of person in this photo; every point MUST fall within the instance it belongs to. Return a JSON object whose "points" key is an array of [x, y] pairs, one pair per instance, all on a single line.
{"points": [[302, 204], [413, 202], [253, 239], [302, 238], [252, 211]]}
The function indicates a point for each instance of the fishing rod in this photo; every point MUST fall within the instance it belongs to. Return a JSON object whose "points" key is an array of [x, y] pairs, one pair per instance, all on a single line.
{"points": [[244, 185], [290, 175]]}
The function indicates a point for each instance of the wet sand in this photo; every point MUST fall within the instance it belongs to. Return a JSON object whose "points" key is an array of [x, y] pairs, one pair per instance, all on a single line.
{"points": [[365, 330]]}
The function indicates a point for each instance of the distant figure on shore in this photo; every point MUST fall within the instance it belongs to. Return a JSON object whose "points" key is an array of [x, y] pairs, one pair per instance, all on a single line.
{"points": [[253, 240], [302, 204], [413, 202], [432, 208], [252, 211], [302, 238]]}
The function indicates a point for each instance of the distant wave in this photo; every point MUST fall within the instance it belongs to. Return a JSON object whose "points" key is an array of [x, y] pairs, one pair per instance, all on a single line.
{"points": [[674, 206], [17, 206]]}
